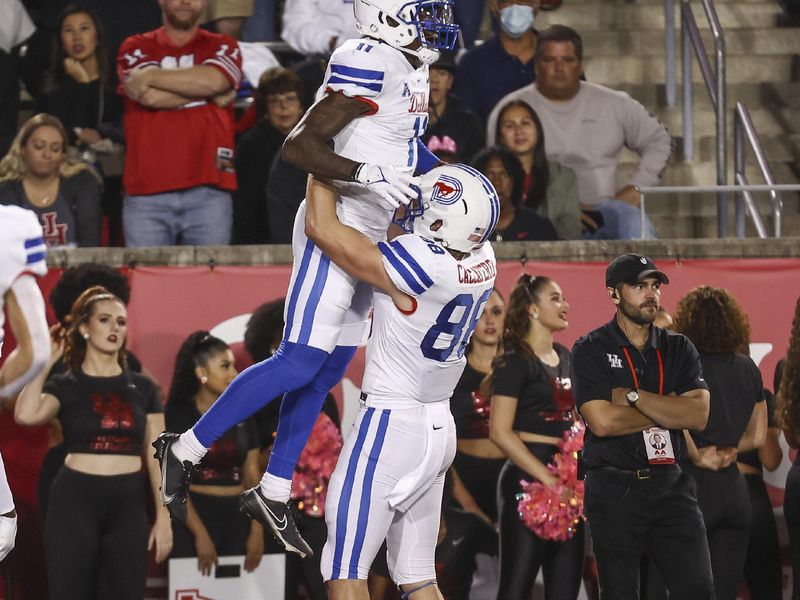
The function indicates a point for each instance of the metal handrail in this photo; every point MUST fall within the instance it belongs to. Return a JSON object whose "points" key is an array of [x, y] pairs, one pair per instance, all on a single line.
{"points": [[715, 85], [743, 126], [745, 189]]}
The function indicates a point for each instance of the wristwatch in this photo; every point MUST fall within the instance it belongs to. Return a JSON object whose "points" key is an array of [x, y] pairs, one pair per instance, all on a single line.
{"points": [[632, 397]]}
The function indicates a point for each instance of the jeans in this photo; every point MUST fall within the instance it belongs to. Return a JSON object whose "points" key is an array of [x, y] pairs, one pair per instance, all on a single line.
{"points": [[198, 216], [260, 26], [621, 221], [659, 515]]}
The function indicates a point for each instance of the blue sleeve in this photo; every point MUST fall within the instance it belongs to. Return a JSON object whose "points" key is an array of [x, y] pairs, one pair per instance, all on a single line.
{"points": [[426, 160]]}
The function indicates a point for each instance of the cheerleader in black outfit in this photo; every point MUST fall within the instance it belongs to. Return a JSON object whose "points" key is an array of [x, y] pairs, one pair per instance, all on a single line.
{"points": [[737, 422], [203, 369], [478, 460], [532, 407], [96, 529], [788, 411]]}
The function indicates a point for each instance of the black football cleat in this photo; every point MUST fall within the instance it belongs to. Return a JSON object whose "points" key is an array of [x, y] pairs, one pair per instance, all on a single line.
{"points": [[277, 517], [175, 476]]}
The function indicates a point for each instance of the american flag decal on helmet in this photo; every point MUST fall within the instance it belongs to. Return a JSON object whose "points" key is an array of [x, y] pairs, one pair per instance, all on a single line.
{"points": [[477, 235]]}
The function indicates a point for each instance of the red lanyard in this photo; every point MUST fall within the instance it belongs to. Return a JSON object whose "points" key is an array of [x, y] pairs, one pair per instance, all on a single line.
{"points": [[660, 371]]}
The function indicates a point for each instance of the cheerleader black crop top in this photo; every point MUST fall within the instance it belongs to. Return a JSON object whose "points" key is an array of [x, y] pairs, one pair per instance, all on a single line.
{"points": [[222, 464], [104, 415], [470, 409], [545, 404]]}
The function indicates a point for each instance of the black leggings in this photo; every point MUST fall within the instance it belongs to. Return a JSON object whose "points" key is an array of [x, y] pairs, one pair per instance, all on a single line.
{"points": [[724, 500], [226, 526], [522, 552], [479, 476], [96, 536], [791, 511], [762, 569]]}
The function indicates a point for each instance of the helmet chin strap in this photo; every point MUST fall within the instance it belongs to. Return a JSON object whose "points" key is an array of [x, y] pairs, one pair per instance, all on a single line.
{"points": [[428, 56]]}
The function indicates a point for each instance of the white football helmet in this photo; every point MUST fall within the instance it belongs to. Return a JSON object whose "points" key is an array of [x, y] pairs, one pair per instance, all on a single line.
{"points": [[463, 200], [400, 22]]}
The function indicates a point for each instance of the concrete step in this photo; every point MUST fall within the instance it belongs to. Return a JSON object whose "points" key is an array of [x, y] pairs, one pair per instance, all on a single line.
{"points": [[650, 42], [705, 173], [679, 226], [615, 70], [587, 16], [775, 93]]}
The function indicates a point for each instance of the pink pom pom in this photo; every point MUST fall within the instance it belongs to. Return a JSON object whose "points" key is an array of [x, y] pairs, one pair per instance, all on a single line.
{"points": [[315, 467], [555, 513]]}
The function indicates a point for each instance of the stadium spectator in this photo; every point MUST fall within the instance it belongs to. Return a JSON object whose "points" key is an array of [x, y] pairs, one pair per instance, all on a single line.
{"points": [[228, 16], [279, 104], [715, 323], [532, 408], [789, 419], [503, 63], [318, 26], [478, 460], [96, 529], [517, 222], [35, 174], [550, 188], [448, 115], [78, 89], [762, 567], [204, 367], [178, 82], [469, 14], [16, 27], [285, 191], [574, 111]]}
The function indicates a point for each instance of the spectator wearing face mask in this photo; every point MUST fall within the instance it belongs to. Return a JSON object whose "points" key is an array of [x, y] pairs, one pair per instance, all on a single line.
{"points": [[503, 63]]}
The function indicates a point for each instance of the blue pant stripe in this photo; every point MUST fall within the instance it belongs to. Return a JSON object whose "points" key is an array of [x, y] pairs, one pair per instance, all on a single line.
{"points": [[366, 494], [298, 284], [313, 299], [347, 492]]}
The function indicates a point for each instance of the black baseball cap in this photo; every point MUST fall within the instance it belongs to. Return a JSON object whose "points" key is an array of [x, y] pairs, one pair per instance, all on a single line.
{"points": [[631, 269]]}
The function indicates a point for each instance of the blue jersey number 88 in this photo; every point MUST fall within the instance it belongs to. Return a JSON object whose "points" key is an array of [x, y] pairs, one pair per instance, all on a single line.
{"points": [[459, 330]]}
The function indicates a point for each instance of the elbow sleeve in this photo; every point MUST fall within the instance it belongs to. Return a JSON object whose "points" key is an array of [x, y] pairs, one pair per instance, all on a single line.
{"points": [[31, 304]]}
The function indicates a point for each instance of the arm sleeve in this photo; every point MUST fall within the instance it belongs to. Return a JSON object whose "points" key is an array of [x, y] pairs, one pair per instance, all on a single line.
{"points": [[31, 304], [226, 57], [645, 135], [304, 30], [88, 214], [6, 499], [426, 160], [410, 263], [564, 208], [509, 375], [690, 375], [591, 377], [355, 73]]}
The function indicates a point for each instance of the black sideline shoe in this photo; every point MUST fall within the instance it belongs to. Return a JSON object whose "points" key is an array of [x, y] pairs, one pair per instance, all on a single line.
{"points": [[175, 477], [277, 518]]}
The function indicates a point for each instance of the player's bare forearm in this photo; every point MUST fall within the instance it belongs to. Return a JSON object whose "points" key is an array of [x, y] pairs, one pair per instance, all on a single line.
{"points": [[161, 100], [307, 146], [605, 419], [687, 411], [198, 82]]}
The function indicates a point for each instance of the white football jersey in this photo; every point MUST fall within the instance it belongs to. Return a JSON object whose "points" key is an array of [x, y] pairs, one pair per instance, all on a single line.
{"points": [[22, 250], [382, 77], [420, 356]]}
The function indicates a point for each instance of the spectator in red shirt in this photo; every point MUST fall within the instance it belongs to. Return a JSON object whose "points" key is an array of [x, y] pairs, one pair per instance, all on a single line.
{"points": [[178, 82]]}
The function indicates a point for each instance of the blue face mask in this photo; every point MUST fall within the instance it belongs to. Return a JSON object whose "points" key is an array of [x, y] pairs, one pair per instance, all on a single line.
{"points": [[516, 19]]}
